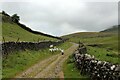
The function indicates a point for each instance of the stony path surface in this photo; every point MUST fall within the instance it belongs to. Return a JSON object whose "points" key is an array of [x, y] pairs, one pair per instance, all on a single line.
{"points": [[50, 67]]}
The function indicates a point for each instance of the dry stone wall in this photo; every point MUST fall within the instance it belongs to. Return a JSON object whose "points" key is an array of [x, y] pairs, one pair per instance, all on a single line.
{"points": [[9, 47]]}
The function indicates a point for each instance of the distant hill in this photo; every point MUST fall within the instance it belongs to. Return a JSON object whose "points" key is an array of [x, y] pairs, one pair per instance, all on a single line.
{"points": [[105, 39], [115, 28], [13, 31], [105, 33]]}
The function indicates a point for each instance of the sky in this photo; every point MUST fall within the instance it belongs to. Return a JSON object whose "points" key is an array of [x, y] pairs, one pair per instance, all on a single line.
{"points": [[61, 17]]}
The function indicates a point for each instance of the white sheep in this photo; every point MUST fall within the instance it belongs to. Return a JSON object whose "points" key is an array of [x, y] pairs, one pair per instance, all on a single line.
{"points": [[51, 46], [54, 49], [51, 50], [57, 49], [62, 51]]}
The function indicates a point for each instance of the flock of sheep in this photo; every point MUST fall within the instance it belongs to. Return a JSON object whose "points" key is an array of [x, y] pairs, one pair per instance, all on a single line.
{"points": [[54, 49], [95, 69]]}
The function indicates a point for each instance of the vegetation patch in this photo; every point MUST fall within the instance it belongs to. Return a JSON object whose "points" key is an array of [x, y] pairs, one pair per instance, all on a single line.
{"points": [[71, 72], [104, 54], [12, 32], [99, 39]]}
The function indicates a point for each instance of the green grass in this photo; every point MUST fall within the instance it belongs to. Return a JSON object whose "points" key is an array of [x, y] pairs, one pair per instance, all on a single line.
{"points": [[11, 32], [101, 54], [107, 40], [70, 71], [19, 61]]}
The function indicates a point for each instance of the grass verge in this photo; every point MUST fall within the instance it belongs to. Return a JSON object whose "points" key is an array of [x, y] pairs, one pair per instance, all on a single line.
{"points": [[71, 72]]}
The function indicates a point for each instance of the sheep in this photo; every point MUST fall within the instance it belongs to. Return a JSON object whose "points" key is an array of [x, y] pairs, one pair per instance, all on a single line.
{"points": [[62, 52], [51, 46], [54, 49], [51, 50]]}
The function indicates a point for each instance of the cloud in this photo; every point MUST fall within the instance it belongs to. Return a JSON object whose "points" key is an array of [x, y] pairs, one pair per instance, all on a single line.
{"points": [[59, 17]]}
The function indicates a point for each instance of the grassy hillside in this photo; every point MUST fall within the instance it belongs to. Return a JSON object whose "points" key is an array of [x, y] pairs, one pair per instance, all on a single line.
{"points": [[114, 29], [12, 31], [103, 45], [102, 39]]}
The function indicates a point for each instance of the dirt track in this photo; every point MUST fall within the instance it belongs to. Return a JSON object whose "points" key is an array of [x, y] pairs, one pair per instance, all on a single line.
{"points": [[50, 67]]}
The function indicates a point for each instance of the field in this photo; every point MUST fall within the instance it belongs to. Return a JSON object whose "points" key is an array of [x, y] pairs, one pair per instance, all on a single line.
{"points": [[103, 45], [19, 61], [104, 55]]}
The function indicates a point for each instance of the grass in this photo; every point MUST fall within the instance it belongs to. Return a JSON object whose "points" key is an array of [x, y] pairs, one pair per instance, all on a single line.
{"points": [[11, 32], [105, 41], [107, 50], [19, 61], [104, 54], [71, 72]]}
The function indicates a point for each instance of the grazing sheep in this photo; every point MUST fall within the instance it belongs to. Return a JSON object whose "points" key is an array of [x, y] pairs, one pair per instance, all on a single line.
{"points": [[51, 46], [51, 50], [62, 52]]}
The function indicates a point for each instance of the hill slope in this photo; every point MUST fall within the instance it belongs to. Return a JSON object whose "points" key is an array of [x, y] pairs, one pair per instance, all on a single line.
{"points": [[103, 39], [103, 45], [115, 28], [12, 31]]}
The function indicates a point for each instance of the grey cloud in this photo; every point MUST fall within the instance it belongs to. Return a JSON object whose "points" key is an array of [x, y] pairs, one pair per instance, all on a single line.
{"points": [[64, 16]]}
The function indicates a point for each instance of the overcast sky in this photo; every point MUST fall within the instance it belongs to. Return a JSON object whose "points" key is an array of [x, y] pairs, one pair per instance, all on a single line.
{"points": [[60, 17]]}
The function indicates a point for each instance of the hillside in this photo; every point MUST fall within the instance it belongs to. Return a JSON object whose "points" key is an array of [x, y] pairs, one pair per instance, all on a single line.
{"points": [[114, 28], [12, 31], [103, 45], [103, 39]]}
